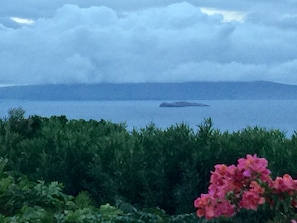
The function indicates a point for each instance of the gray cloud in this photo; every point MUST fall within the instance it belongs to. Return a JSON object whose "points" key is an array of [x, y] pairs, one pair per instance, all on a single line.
{"points": [[167, 43]]}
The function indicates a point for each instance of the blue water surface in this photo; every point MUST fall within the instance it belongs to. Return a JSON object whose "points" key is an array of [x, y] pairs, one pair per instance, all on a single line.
{"points": [[227, 115]]}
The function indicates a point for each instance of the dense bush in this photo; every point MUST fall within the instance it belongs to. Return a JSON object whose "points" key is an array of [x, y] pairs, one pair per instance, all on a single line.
{"points": [[148, 167], [24, 201]]}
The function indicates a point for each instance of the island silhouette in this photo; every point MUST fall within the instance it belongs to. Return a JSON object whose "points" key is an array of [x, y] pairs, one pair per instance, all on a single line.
{"points": [[182, 104]]}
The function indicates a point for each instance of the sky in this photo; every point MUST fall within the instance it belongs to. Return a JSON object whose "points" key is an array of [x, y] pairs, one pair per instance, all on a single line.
{"points": [[115, 41]]}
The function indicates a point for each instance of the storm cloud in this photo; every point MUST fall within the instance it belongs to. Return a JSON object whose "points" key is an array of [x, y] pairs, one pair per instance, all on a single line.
{"points": [[172, 42]]}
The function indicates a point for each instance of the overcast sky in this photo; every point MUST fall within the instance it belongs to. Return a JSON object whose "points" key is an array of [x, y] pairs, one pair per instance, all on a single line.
{"points": [[93, 41]]}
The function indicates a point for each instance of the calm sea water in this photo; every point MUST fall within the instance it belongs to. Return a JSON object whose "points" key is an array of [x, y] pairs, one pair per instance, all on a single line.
{"points": [[231, 115]]}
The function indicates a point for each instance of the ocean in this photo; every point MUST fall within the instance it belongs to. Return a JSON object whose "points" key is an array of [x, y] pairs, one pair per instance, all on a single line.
{"points": [[227, 115]]}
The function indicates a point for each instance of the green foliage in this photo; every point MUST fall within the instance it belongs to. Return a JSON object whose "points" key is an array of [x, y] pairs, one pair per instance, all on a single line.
{"points": [[98, 163], [24, 201], [16, 114]]}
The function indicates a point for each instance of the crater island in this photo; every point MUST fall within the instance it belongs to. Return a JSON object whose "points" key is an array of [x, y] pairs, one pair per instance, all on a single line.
{"points": [[182, 104]]}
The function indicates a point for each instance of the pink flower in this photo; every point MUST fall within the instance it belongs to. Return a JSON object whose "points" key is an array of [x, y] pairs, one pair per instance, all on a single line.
{"points": [[252, 198], [225, 179], [247, 173], [243, 186], [205, 206], [213, 207], [254, 167], [284, 184]]}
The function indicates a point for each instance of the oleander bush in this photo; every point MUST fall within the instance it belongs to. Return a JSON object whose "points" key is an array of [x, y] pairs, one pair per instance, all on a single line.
{"points": [[151, 169], [248, 185]]}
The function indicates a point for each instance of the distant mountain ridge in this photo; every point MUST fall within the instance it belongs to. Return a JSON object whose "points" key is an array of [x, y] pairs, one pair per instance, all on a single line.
{"points": [[152, 91]]}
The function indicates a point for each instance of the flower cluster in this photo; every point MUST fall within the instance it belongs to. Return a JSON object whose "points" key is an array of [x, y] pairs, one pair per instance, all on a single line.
{"points": [[245, 186]]}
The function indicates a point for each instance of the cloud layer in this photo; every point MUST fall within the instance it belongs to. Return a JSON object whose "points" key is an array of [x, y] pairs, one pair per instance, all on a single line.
{"points": [[168, 43]]}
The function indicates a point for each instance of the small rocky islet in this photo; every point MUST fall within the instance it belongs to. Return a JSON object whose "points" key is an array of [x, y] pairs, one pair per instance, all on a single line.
{"points": [[182, 104]]}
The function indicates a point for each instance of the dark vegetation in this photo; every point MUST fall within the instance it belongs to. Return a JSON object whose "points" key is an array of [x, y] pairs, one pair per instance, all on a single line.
{"points": [[59, 170]]}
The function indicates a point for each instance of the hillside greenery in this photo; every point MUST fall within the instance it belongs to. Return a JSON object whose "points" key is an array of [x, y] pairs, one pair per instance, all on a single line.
{"points": [[57, 170]]}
